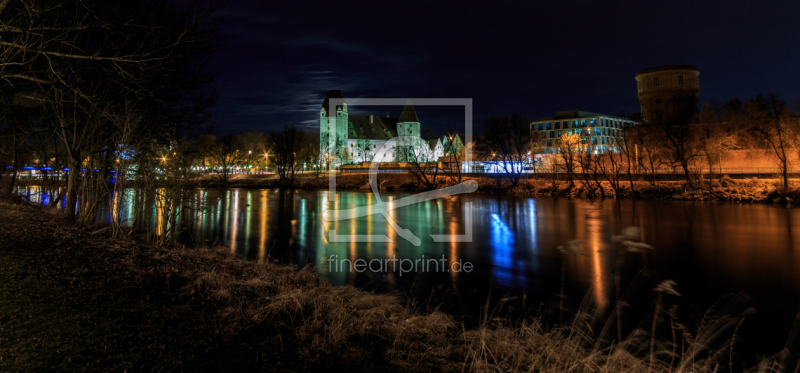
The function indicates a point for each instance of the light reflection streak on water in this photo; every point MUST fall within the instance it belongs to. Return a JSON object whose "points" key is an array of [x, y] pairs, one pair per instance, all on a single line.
{"points": [[303, 220], [233, 218], [352, 254], [532, 223], [323, 205], [199, 215], [594, 225], [369, 226], [740, 247], [391, 246], [262, 246], [452, 256], [503, 252], [248, 223]]}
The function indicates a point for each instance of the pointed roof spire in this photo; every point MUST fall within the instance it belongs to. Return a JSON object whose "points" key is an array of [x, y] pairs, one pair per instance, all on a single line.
{"points": [[325, 104], [408, 114]]}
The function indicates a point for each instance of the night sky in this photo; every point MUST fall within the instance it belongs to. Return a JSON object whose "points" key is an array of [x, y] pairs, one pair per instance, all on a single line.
{"points": [[533, 58]]}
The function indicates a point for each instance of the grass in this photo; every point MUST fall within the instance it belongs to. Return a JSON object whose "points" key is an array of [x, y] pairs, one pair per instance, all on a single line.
{"points": [[73, 301]]}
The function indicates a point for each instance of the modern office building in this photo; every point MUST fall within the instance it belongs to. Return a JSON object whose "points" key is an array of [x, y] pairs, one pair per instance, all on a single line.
{"points": [[599, 132], [668, 93]]}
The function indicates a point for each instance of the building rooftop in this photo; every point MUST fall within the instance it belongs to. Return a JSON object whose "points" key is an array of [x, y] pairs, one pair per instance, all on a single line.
{"points": [[409, 114], [667, 68], [369, 127], [331, 94], [571, 114]]}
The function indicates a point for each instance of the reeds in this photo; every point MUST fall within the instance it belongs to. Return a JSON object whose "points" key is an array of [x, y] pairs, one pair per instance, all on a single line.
{"points": [[310, 319]]}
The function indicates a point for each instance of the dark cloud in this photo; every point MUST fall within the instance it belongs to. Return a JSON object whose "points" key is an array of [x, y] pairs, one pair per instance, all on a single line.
{"points": [[532, 58]]}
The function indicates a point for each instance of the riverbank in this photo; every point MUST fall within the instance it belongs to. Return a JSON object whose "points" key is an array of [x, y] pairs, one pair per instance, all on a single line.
{"points": [[722, 189], [74, 300]]}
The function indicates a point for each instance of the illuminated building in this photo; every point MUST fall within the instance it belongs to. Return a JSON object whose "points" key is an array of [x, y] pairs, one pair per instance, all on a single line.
{"points": [[357, 138], [598, 132]]}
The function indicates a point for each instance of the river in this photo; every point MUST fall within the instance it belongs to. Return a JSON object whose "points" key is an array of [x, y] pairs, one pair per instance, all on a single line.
{"points": [[710, 249]]}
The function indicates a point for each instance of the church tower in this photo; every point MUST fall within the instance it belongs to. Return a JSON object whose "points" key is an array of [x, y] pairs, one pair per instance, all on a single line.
{"points": [[408, 123], [333, 124]]}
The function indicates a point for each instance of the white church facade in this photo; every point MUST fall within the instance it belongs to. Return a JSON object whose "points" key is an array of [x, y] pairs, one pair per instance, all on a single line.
{"points": [[348, 138]]}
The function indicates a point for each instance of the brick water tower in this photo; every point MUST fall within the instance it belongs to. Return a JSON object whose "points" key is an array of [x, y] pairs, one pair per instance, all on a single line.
{"points": [[669, 93]]}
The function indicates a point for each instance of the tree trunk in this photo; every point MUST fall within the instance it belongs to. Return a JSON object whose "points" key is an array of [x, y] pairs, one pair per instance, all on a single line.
{"points": [[785, 176], [72, 190], [14, 172], [686, 173]]}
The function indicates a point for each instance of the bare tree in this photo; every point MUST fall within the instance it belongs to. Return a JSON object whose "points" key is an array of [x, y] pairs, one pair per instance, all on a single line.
{"points": [[286, 145], [569, 145], [308, 153], [363, 151], [769, 119], [509, 139], [626, 146], [611, 166], [536, 148], [255, 146], [227, 155], [454, 152], [589, 177], [680, 136], [81, 56], [416, 153]]}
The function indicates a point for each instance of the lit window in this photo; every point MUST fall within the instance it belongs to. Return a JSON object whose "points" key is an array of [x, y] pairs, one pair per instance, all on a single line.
{"points": [[548, 126], [541, 126]]}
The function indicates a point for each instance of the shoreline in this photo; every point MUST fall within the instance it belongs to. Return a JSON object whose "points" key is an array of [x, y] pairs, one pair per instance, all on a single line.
{"points": [[722, 189], [135, 306]]}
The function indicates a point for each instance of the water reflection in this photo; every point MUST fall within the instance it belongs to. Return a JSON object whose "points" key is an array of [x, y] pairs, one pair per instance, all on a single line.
{"points": [[710, 249]]}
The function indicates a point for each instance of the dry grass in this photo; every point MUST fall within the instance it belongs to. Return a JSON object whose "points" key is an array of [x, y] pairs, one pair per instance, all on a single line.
{"points": [[214, 311], [723, 189]]}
